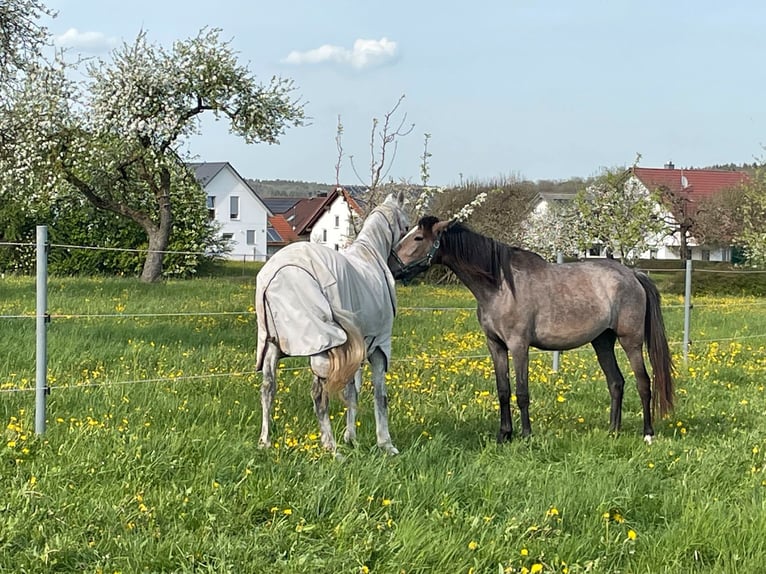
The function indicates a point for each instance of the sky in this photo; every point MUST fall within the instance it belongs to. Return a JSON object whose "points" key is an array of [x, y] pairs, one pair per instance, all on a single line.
{"points": [[533, 89]]}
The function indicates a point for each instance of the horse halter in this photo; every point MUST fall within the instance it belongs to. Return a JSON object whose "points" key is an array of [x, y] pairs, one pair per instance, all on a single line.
{"points": [[407, 271]]}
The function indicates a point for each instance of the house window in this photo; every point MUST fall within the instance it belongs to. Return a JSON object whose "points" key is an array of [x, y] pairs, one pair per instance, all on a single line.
{"points": [[653, 254], [234, 207], [251, 236], [705, 255], [337, 221], [595, 251], [337, 247], [227, 237], [324, 236], [211, 207]]}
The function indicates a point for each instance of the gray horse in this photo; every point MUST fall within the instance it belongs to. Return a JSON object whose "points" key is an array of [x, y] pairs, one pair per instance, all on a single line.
{"points": [[337, 308], [525, 301]]}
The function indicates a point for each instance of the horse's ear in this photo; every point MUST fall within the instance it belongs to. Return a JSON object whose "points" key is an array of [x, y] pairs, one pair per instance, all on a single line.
{"points": [[401, 199], [441, 226]]}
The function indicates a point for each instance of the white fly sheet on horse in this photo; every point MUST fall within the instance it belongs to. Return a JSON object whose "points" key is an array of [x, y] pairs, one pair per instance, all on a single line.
{"points": [[298, 293]]}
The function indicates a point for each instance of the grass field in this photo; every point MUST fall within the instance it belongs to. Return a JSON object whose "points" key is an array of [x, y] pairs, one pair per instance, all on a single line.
{"points": [[150, 464]]}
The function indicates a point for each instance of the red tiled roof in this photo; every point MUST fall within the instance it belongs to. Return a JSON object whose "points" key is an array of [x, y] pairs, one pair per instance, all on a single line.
{"points": [[695, 183], [308, 210], [285, 230], [352, 203]]}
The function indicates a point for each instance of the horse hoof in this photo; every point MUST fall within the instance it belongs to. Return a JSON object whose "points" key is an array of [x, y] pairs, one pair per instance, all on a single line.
{"points": [[648, 438], [264, 444], [390, 449], [503, 436]]}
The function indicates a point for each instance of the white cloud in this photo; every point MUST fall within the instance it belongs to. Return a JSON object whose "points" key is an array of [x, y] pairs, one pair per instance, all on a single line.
{"points": [[364, 54], [92, 42]]}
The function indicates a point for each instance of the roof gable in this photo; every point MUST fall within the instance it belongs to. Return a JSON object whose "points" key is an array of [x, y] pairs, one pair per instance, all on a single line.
{"points": [[308, 210], [205, 172]]}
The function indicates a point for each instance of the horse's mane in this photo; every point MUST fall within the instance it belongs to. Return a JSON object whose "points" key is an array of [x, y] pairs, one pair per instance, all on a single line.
{"points": [[487, 258]]}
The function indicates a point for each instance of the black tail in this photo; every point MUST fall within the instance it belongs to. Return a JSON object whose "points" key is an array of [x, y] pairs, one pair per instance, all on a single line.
{"points": [[657, 346]]}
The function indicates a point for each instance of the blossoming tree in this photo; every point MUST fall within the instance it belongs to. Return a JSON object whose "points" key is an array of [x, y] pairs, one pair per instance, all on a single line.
{"points": [[21, 36], [114, 138]]}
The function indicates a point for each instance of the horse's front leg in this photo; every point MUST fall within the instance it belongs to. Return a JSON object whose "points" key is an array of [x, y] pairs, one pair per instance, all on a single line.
{"points": [[520, 355], [351, 393], [378, 366], [499, 353], [268, 390]]}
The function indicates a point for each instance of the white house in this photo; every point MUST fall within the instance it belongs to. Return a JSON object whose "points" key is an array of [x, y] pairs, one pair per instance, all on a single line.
{"points": [[691, 185], [333, 224], [241, 214]]}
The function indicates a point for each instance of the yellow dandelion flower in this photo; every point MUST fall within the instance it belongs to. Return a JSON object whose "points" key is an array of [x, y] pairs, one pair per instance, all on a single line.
{"points": [[536, 568], [524, 552], [386, 502], [287, 511], [473, 545], [632, 534]]}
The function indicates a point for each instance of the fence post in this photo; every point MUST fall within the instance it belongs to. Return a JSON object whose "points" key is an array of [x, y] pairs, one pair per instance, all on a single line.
{"points": [[41, 353], [557, 354], [687, 309]]}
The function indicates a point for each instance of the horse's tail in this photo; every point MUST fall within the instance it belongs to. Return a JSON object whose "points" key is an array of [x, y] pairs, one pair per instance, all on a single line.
{"points": [[657, 346], [347, 358]]}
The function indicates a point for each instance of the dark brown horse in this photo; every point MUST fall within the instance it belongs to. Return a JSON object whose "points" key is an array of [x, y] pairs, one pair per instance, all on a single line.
{"points": [[525, 301]]}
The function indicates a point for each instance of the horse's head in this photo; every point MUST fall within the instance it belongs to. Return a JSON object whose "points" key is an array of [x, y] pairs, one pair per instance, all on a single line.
{"points": [[400, 220], [418, 249]]}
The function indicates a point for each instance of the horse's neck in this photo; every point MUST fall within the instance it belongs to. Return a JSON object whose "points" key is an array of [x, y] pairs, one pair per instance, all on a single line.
{"points": [[473, 280], [372, 238]]}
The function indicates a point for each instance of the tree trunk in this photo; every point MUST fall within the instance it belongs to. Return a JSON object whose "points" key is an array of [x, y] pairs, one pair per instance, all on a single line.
{"points": [[159, 235], [684, 249], [158, 244]]}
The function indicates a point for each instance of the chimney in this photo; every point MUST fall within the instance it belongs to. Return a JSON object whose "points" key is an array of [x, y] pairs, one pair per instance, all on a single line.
{"points": [[670, 165]]}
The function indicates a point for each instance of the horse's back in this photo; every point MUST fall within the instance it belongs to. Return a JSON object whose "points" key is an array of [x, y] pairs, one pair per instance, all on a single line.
{"points": [[298, 289], [563, 306]]}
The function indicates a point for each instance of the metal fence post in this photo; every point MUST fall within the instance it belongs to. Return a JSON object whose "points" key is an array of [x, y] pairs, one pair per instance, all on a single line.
{"points": [[557, 354], [41, 353], [687, 309]]}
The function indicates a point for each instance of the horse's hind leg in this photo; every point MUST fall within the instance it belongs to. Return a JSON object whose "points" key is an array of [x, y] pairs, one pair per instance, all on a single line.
{"points": [[351, 395], [634, 351], [268, 390], [604, 346], [378, 366], [321, 407], [320, 396]]}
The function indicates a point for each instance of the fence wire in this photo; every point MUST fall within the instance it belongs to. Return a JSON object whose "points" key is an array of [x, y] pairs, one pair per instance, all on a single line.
{"points": [[435, 358], [419, 358]]}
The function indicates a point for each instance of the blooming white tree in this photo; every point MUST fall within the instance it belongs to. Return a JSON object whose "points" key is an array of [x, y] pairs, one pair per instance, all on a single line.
{"points": [[114, 137], [617, 213], [21, 36], [556, 228], [753, 208]]}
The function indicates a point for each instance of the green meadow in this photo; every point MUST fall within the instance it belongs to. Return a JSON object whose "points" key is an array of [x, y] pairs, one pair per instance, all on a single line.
{"points": [[150, 462]]}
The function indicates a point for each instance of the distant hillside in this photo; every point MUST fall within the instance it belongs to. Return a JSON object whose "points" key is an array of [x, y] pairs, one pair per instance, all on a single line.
{"points": [[285, 188]]}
